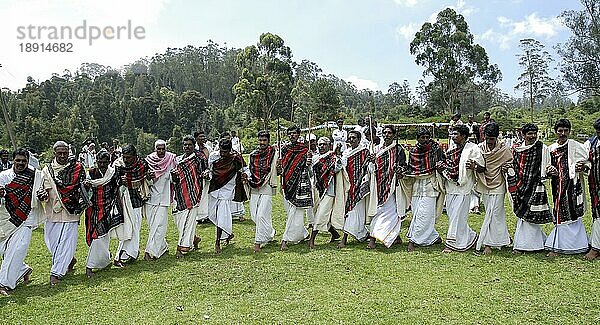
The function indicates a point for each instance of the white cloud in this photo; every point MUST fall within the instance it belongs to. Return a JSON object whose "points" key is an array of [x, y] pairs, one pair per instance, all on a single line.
{"points": [[362, 83], [531, 26], [408, 31], [407, 3]]}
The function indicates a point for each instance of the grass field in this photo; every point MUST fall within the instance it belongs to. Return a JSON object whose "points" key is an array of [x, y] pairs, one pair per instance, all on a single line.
{"points": [[325, 285]]}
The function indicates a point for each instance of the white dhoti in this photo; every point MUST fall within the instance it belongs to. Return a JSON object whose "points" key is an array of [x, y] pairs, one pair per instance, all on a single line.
{"points": [[568, 238], [186, 227], [157, 217], [474, 200], [61, 240], [322, 217], [310, 216], [13, 251], [294, 225], [203, 205], [219, 213], [354, 224], [460, 236], [385, 225], [237, 209], [99, 253], [493, 229], [130, 249], [595, 235], [529, 237], [260, 210], [422, 226]]}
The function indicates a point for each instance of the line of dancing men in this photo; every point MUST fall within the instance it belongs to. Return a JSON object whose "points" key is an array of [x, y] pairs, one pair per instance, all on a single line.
{"points": [[363, 191]]}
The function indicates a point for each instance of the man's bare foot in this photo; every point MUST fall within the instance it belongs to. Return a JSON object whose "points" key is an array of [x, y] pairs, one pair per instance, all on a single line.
{"points": [[284, 245], [311, 243], [517, 252], [342, 243], [335, 235], [27, 277], [552, 254], [119, 264], [447, 250], [256, 248], [4, 291], [487, 250], [89, 272], [242, 219], [197, 240], [54, 280], [71, 267], [229, 239], [178, 254], [438, 241], [371, 244], [411, 246], [592, 255], [147, 257], [218, 248], [398, 240]]}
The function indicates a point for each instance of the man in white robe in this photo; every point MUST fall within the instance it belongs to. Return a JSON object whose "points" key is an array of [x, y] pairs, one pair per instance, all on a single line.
{"points": [[339, 135], [66, 200], [459, 168], [203, 145], [135, 175], [261, 176], [426, 186], [188, 180], [225, 168], [237, 208], [18, 185], [569, 161], [492, 185], [592, 145], [357, 188], [161, 163], [528, 192], [329, 204], [392, 199]]}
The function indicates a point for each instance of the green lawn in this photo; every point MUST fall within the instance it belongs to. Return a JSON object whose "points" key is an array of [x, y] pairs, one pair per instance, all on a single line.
{"points": [[326, 285]]}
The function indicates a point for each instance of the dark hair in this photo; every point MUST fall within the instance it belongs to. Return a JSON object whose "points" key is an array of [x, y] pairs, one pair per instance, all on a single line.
{"points": [[103, 154], [225, 144], [528, 127], [19, 152], [225, 134], [487, 113], [423, 131], [457, 115], [197, 133], [129, 150], [3, 151], [563, 122], [462, 129], [491, 129], [263, 134], [358, 135], [189, 138], [390, 127], [293, 128], [597, 124]]}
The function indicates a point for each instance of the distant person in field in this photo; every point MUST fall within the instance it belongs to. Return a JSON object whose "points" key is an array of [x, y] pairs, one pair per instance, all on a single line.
{"points": [[593, 147], [237, 208], [261, 176], [116, 150], [202, 145], [294, 167], [569, 160], [5, 163], [161, 163], [106, 217], [459, 169], [359, 190], [454, 122], [392, 201], [339, 135], [33, 160], [226, 186], [473, 129], [487, 118], [135, 176], [65, 201], [328, 194], [426, 185], [188, 183], [491, 184], [525, 178], [21, 213]]}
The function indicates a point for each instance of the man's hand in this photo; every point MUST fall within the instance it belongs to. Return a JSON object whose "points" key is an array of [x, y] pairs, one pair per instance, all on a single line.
{"points": [[372, 157], [279, 168], [581, 167], [244, 178], [506, 166], [552, 171], [2, 191], [150, 175], [440, 165], [42, 194]]}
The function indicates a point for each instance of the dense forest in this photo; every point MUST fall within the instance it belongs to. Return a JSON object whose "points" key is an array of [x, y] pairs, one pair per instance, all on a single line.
{"points": [[216, 88]]}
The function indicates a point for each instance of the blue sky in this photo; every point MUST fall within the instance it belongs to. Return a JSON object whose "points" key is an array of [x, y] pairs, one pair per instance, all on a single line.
{"points": [[365, 42]]}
